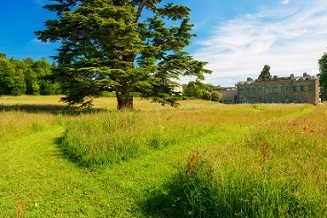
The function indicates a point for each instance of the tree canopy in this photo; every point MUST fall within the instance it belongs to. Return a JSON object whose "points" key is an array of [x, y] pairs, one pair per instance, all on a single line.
{"points": [[322, 62], [26, 76], [323, 71], [265, 73], [121, 46]]}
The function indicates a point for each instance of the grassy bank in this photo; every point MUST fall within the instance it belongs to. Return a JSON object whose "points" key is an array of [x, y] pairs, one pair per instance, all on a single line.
{"points": [[201, 160]]}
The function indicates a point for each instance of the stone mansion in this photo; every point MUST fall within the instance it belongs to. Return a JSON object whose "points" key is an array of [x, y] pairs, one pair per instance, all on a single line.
{"points": [[303, 89]]}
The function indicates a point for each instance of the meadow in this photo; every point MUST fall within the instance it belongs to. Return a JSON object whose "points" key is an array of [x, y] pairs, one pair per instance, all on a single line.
{"points": [[203, 159]]}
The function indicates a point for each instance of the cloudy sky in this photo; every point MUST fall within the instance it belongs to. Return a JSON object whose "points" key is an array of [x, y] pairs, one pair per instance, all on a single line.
{"points": [[288, 35], [236, 37]]}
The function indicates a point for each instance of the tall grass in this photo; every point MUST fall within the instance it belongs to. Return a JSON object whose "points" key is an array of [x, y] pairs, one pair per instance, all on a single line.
{"points": [[111, 137], [203, 190], [247, 160], [279, 170], [17, 123]]}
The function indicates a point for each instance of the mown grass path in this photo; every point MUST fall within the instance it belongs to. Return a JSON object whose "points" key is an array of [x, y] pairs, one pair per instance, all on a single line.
{"points": [[34, 169]]}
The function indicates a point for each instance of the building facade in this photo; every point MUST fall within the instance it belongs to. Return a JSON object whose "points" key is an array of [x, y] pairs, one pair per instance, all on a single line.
{"points": [[228, 95], [304, 89]]}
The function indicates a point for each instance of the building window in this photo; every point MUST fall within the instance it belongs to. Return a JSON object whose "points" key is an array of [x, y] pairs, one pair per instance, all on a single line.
{"points": [[294, 98], [248, 91], [302, 98], [294, 88], [279, 98], [259, 90], [253, 91], [310, 88], [272, 99], [253, 100], [279, 89], [286, 88], [267, 90], [302, 88]]}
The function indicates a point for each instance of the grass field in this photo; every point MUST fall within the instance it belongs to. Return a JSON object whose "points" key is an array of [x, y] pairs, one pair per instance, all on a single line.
{"points": [[203, 159]]}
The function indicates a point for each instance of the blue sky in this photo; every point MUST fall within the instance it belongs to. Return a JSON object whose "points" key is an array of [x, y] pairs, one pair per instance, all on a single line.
{"points": [[236, 37]]}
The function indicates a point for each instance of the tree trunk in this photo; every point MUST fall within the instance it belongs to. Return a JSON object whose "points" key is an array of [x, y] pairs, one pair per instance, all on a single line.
{"points": [[124, 101]]}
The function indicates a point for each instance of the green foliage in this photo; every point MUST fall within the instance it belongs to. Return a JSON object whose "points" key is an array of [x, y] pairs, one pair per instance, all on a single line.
{"points": [[265, 73], [106, 46], [323, 75], [197, 89], [215, 96], [192, 90], [11, 79], [206, 95], [27, 77]]}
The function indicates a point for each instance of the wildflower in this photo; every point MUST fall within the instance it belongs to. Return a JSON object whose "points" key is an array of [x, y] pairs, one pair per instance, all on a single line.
{"points": [[295, 195], [312, 131], [294, 124], [304, 128], [168, 118]]}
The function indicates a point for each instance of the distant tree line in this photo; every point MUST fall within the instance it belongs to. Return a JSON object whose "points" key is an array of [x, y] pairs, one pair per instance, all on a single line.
{"points": [[27, 76], [36, 77]]}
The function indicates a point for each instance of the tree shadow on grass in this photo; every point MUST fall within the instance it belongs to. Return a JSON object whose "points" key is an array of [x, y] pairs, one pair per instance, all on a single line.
{"points": [[50, 108], [63, 153]]}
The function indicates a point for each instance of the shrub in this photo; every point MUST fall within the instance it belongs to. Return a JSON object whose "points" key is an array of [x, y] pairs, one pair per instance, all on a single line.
{"points": [[215, 96], [206, 95]]}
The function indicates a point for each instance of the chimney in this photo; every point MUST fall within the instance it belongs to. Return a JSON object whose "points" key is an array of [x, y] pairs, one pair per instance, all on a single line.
{"points": [[292, 75]]}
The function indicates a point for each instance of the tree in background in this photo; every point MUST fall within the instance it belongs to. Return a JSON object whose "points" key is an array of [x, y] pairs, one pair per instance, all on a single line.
{"points": [[265, 73], [11, 78], [193, 90], [31, 78], [197, 89], [26, 77], [121, 46], [323, 75], [44, 72]]}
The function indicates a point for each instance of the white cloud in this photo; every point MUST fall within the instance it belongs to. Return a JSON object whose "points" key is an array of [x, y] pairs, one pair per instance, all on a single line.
{"points": [[290, 39], [285, 2]]}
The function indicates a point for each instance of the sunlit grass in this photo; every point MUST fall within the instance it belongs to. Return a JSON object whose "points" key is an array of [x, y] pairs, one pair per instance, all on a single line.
{"points": [[251, 160]]}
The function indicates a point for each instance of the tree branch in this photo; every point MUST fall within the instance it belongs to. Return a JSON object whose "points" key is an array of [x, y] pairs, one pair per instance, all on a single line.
{"points": [[139, 10], [124, 2]]}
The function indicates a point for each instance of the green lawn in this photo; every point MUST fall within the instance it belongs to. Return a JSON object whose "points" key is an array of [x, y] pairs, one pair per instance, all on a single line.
{"points": [[267, 144]]}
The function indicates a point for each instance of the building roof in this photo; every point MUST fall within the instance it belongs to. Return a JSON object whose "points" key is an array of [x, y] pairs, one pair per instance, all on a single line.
{"points": [[305, 76]]}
